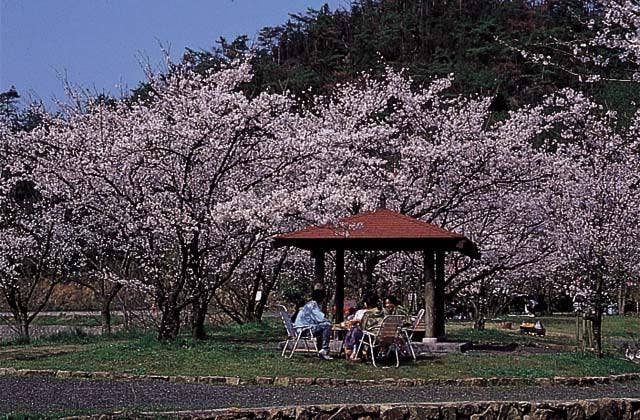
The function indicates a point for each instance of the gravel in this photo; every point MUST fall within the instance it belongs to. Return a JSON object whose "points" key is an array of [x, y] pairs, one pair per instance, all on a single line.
{"points": [[39, 394]]}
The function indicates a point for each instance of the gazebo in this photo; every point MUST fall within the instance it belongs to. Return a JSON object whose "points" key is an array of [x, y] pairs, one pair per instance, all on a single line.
{"points": [[385, 230]]}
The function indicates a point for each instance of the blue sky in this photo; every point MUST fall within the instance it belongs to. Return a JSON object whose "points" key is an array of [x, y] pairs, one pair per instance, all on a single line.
{"points": [[98, 44]]}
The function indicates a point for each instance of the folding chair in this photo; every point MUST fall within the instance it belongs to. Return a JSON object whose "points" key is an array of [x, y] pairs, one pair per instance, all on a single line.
{"points": [[408, 333], [387, 336], [295, 334]]}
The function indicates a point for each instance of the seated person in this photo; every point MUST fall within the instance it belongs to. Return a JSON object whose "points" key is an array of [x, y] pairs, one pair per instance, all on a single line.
{"points": [[353, 336], [392, 306], [351, 314], [311, 315], [366, 312]]}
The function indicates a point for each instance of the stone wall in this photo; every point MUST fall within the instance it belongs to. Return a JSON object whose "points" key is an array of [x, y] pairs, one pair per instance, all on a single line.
{"points": [[624, 409]]}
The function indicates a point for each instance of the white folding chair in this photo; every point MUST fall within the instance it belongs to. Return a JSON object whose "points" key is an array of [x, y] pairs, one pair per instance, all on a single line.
{"points": [[387, 336], [295, 334], [408, 333]]}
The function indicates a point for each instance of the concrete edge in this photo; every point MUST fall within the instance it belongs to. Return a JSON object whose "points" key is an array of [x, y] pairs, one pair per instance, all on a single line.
{"points": [[329, 382]]}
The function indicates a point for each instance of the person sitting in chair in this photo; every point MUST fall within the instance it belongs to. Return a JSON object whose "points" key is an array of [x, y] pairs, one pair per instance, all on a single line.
{"points": [[354, 335], [392, 307], [311, 315]]}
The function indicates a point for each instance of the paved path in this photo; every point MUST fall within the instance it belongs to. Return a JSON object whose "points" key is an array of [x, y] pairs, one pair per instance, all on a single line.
{"points": [[35, 394]]}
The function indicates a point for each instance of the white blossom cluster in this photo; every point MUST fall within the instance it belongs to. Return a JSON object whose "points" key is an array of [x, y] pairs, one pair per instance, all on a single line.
{"points": [[179, 197]]}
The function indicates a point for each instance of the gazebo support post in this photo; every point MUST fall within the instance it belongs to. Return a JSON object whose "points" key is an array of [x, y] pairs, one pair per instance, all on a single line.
{"points": [[318, 272], [429, 296], [440, 317], [339, 296]]}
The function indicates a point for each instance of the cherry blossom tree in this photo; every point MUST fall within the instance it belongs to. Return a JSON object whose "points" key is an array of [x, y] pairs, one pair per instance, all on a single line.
{"points": [[185, 184], [432, 157], [593, 201], [37, 243], [619, 30]]}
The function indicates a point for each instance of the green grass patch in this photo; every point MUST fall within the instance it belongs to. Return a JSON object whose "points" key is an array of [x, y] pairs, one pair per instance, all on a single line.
{"points": [[250, 350], [270, 330], [144, 355]]}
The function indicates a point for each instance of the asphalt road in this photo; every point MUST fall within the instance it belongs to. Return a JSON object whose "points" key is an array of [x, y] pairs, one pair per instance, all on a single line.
{"points": [[35, 394]]}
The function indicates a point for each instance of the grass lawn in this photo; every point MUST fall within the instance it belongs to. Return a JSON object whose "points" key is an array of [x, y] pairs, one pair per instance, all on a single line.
{"points": [[560, 331], [249, 351]]}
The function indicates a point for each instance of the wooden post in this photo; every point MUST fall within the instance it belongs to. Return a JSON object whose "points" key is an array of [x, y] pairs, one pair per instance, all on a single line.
{"points": [[439, 322], [429, 295], [318, 256], [339, 297]]}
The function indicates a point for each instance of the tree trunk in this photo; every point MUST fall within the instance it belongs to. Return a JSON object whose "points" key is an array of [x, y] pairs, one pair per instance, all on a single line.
{"points": [[105, 311], [596, 325], [25, 335], [198, 317], [478, 321], [105, 317], [621, 299], [170, 322]]}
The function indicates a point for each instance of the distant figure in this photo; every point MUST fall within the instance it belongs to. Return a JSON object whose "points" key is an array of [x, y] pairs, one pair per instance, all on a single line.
{"points": [[311, 315], [529, 307]]}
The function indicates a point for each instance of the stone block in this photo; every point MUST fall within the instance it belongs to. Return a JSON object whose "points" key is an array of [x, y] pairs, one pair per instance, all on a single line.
{"points": [[544, 382], [338, 382], [393, 412], [164, 378], [494, 381], [543, 414], [357, 411], [422, 382], [341, 413], [424, 412], [212, 380], [35, 372], [80, 374], [232, 380], [466, 409], [323, 381], [367, 382], [264, 380], [101, 375], [448, 411], [570, 381], [478, 382], [590, 409], [7, 371], [609, 409], [309, 412], [405, 382], [282, 381], [587, 381], [304, 381]]}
